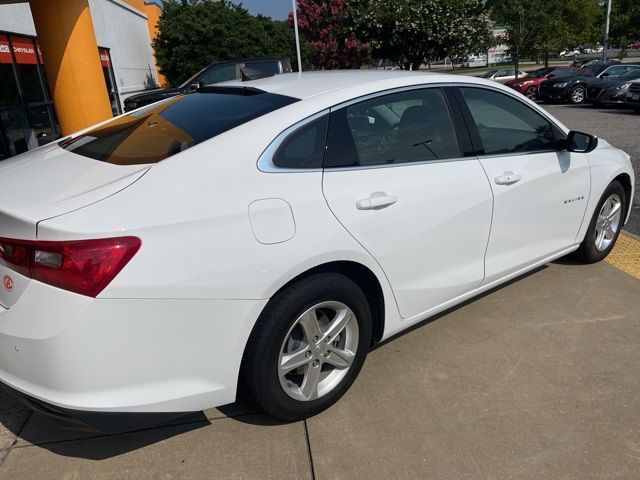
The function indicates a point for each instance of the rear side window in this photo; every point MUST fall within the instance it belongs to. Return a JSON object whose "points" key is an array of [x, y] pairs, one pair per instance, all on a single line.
{"points": [[161, 130], [409, 126], [304, 148], [271, 68]]}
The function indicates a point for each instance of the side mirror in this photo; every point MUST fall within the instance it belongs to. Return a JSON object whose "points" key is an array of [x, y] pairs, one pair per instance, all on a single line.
{"points": [[605, 74], [581, 142], [193, 87], [551, 75]]}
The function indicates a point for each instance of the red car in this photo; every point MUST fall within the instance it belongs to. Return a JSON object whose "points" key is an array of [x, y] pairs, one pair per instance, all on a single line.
{"points": [[529, 84]]}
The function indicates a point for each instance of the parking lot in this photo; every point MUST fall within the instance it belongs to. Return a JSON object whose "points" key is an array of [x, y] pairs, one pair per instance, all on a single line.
{"points": [[536, 379]]}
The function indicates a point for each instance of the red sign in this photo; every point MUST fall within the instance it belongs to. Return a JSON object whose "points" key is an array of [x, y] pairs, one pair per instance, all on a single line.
{"points": [[7, 281], [105, 60], [24, 49], [5, 52]]}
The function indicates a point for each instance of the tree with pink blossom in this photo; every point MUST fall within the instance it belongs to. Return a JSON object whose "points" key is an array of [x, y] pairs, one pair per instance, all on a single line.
{"points": [[327, 28]]}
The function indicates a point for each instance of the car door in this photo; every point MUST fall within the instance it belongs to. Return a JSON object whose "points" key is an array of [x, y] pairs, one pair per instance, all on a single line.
{"points": [[397, 178], [540, 192]]}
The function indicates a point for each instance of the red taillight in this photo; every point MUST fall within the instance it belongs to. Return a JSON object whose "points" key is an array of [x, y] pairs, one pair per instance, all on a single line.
{"points": [[83, 266]]}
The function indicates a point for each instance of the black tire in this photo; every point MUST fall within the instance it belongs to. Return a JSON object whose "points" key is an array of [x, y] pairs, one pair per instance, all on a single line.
{"points": [[574, 92], [636, 109], [260, 376], [587, 252]]}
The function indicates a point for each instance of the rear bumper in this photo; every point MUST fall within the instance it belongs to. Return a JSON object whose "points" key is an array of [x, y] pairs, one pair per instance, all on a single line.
{"points": [[78, 357], [87, 421]]}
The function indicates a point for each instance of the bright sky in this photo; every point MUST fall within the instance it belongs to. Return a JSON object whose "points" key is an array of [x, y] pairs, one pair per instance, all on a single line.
{"points": [[277, 9]]}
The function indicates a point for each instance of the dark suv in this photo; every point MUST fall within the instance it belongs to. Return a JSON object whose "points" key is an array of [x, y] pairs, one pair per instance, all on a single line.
{"points": [[239, 69]]}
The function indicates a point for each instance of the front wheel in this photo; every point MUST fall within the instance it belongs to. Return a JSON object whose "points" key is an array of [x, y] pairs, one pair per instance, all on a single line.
{"points": [[578, 94], [531, 93], [605, 225], [308, 346]]}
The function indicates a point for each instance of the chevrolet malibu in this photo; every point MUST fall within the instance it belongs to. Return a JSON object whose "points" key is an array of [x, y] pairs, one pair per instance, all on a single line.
{"points": [[265, 234]]}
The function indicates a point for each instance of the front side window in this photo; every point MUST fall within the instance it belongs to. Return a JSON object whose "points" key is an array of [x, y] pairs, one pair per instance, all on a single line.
{"points": [[218, 74], [410, 126], [563, 72], [505, 124], [163, 129], [615, 71]]}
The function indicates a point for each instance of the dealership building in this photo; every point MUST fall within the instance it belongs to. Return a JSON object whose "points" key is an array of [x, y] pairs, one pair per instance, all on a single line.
{"points": [[67, 64]]}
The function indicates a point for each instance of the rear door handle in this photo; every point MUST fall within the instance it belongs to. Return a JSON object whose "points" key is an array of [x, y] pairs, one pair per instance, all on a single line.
{"points": [[376, 201], [507, 178]]}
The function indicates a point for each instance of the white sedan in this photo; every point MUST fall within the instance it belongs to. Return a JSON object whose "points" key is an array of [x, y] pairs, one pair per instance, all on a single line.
{"points": [[503, 75], [269, 232]]}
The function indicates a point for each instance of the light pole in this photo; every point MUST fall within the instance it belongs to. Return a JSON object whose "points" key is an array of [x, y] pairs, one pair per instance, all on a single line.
{"points": [[605, 45], [295, 28]]}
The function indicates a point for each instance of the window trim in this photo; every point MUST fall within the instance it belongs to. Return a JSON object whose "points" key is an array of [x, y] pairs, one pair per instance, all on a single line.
{"points": [[452, 96], [265, 161], [473, 129]]}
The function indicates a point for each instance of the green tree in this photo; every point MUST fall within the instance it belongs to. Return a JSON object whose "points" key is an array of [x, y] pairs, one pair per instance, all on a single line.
{"points": [[625, 22], [195, 33], [536, 27], [410, 32]]}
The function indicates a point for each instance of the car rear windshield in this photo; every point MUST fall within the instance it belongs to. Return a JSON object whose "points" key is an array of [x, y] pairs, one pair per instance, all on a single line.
{"points": [[156, 132]]}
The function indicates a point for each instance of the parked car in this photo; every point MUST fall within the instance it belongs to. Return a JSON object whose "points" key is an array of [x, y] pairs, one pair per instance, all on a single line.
{"points": [[574, 88], [269, 232], [595, 61], [570, 53], [529, 84], [611, 91], [475, 60], [502, 75], [215, 73], [634, 46], [633, 96]]}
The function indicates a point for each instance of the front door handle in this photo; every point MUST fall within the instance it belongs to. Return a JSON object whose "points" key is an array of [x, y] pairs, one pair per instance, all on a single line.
{"points": [[376, 201], [507, 178]]}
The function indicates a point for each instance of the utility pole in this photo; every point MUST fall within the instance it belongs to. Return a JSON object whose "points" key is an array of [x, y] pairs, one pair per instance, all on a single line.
{"points": [[295, 28], [605, 45]]}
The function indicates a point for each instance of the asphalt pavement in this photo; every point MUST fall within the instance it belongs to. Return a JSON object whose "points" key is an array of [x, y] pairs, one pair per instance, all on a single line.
{"points": [[619, 126]]}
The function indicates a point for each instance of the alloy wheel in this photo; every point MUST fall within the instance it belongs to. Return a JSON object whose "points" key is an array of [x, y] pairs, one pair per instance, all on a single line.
{"points": [[531, 93], [318, 351], [608, 222], [577, 95]]}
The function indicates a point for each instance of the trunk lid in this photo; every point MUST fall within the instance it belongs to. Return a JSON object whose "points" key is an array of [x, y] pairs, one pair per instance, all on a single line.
{"points": [[51, 181]]}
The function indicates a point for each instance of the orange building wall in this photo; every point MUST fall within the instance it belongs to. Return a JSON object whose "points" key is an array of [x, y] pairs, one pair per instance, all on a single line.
{"points": [[153, 12]]}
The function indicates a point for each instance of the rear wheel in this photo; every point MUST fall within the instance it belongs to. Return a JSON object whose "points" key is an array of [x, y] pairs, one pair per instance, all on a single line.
{"points": [[636, 109], [605, 225], [307, 346], [577, 94]]}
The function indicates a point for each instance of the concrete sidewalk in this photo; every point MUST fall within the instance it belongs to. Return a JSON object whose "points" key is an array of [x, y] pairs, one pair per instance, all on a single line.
{"points": [[538, 379]]}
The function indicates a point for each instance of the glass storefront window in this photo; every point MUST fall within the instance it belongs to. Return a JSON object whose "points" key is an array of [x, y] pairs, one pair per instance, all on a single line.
{"points": [[9, 93], [14, 122], [26, 113]]}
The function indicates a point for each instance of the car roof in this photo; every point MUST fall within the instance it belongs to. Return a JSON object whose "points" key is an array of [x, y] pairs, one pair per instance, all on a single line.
{"points": [[310, 84]]}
